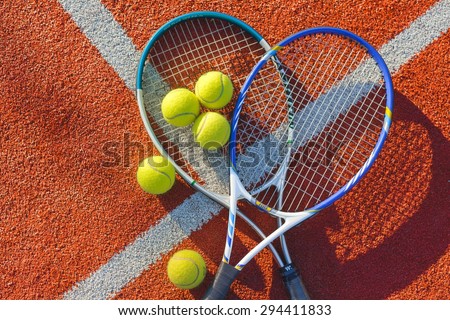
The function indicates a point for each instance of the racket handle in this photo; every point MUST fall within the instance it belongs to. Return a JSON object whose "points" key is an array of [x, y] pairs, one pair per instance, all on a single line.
{"points": [[224, 278], [293, 283]]}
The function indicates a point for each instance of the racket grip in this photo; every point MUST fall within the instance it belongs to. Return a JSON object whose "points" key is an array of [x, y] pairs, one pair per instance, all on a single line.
{"points": [[224, 278], [293, 283]]}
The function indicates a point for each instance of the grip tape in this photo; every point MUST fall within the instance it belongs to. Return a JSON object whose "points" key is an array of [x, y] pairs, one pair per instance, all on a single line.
{"points": [[224, 278]]}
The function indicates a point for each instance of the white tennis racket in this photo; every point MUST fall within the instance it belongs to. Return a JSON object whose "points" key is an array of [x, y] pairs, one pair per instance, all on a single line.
{"points": [[176, 56], [304, 131]]}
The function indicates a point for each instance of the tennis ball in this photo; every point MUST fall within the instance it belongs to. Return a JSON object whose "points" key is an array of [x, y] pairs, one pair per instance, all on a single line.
{"points": [[214, 90], [186, 269], [180, 107], [211, 130], [155, 175]]}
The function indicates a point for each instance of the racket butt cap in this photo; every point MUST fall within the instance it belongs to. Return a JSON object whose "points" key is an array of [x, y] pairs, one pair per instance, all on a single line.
{"points": [[293, 283]]}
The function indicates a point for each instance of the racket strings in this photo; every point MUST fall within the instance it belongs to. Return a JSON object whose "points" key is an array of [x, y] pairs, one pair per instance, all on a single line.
{"points": [[270, 87], [275, 97], [260, 149], [354, 155], [337, 101], [195, 49], [324, 184], [322, 77], [356, 149], [177, 59]]}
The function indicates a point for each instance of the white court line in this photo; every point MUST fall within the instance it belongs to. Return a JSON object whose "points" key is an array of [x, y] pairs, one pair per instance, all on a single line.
{"points": [[108, 36], [146, 249], [99, 26]]}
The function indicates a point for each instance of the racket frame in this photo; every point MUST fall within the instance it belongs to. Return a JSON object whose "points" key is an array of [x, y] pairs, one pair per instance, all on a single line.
{"points": [[227, 273], [288, 271]]}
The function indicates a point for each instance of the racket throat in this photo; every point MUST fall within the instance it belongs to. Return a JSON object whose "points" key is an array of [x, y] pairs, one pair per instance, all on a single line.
{"points": [[278, 180], [235, 193]]}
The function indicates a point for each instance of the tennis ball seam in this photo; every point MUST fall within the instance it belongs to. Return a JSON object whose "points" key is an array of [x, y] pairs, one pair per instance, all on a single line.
{"points": [[222, 89], [163, 173], [202, 130], [196, 268], [180, 107], [182, 115], [202, 125], [224, 138]]}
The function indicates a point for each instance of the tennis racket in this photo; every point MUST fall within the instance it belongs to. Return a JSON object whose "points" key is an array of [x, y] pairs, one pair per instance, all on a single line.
{"points": [[176, 56], [304, 132]]}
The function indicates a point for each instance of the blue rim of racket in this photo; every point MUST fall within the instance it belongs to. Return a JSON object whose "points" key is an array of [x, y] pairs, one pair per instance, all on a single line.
{"points": [[188, 16], [387, 116]]}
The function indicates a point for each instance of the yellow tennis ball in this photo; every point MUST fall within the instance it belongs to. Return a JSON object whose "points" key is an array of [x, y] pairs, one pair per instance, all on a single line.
{"points": [[186, 269], [155, 175], [211, 130], [180, 107], [214, 90]]}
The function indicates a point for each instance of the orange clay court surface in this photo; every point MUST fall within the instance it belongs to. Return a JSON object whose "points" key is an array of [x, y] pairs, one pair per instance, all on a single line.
{"points": [[74, 223]]}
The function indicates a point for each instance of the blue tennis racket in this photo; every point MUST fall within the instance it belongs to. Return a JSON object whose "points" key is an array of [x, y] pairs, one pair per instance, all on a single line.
{"points": [[305, 130]]}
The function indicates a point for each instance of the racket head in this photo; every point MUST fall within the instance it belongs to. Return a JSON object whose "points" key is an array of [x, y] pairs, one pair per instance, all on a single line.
{"points": [[177, 54], [324, 120]]}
